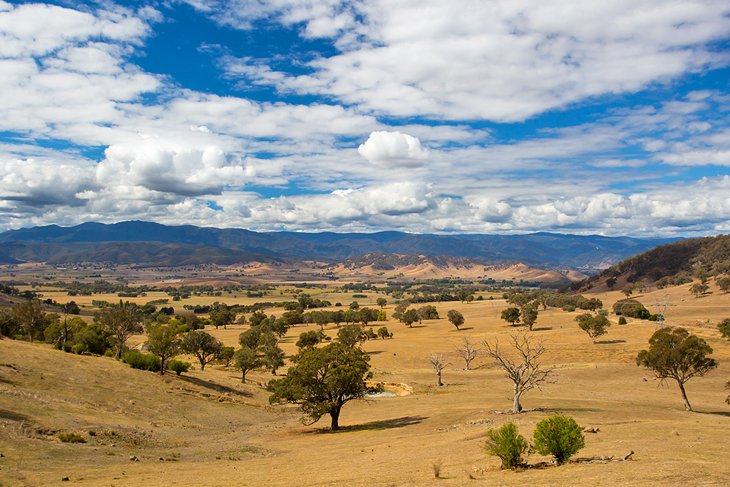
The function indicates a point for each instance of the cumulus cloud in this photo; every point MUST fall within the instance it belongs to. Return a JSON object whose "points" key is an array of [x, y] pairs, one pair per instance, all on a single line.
{"points": [[393, 149]]}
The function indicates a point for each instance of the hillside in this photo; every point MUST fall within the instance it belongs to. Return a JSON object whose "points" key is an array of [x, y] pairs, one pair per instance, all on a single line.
{"points": [[91, 241], [438, 267], [675, 262]]}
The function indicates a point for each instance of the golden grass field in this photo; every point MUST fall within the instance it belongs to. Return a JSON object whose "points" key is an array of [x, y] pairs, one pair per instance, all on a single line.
{"points": [[206, 428]]}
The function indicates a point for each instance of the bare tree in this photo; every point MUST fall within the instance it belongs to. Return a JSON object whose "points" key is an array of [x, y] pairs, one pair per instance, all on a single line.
{"points": [[439, 364], [524, 369], [467, 351]]}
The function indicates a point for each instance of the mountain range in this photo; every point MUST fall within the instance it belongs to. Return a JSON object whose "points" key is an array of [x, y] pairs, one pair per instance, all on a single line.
{"points": [[147, 243]]}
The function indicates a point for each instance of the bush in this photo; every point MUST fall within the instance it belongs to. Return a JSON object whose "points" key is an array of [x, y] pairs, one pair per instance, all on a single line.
{"points": [[142, 361], [507, 444], [569, 308], [724, 327], [178, 366], [622, 321], [71, 438], [631, 308], [603, 312], [559, 436]]}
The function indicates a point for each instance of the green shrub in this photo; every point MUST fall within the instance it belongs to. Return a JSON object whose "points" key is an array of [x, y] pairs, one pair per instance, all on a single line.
{"points": [[622, 321], [724, 327], [178, 366], [507, 444], [142, 361], [569, 308], [631, 308], [71, 438], [603, 312], [559, 436]]}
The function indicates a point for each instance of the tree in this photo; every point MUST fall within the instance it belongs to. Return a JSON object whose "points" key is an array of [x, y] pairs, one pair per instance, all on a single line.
{"points": [[354, 305], [247, 360], [724, 328], [308, 339], [428, 312], [511, 315], [31, 318], [323, 380], [272, 354], [384, 333], [163, 340], [529, 314], [559, 436], [467, 351], [439, 364], [226, 355], [456, 318], [628, 290], [381, 302], [400, 310], [594, 326], [410, 317], [723, 283], [525, 370], [698, 289], [674, 353], [507, 444], [203, 345], [351, 335], [122, 321], [221, 316]]}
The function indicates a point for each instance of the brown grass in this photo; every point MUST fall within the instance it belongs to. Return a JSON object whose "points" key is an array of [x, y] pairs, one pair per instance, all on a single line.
{"points": [[208, 429]]}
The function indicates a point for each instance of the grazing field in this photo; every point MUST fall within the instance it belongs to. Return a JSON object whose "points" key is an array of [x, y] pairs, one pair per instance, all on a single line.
{"points": [[206, 428]]}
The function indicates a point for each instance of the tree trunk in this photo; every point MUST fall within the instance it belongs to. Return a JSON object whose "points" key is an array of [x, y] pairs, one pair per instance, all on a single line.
{"points": [[162, 365], [335, 415], [243, 376], [438, 382], [516, 406], [687, 405]]}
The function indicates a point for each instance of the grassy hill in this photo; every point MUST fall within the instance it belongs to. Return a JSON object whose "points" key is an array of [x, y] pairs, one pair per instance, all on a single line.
{"points": [[675, 262]]}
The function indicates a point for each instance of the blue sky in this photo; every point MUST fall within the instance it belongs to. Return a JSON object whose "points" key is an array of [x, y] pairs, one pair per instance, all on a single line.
{"points": [[422, 116]]}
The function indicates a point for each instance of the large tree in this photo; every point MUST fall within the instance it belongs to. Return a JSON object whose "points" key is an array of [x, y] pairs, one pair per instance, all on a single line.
{"points": [[221, 316], [456, 318], [522, 367], [322, 380], [674, 353], [203, 345], [595, 326], [121, 321], [246, 359], [511, 315], [163, 340], [31, 318]]}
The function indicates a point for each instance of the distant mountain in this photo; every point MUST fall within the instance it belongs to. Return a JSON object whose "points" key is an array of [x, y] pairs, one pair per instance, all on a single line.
{"points": [[672, 263], [91, 241]]}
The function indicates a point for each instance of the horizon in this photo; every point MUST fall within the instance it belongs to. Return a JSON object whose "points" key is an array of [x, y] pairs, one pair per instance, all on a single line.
{"points": [[439, 118]]}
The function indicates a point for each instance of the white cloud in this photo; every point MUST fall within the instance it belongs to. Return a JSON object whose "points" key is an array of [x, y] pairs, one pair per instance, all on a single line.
{"points": [[393, 149]]}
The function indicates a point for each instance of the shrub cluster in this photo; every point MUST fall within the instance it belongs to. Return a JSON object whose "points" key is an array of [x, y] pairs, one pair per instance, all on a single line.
{"points": [[142, 361], [559, 436]]}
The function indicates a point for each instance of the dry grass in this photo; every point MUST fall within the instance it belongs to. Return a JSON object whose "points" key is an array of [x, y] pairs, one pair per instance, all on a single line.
{"points": [[208, 429]]}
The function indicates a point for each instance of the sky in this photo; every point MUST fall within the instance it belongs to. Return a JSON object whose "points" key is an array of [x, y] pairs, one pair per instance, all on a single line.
{"points": [[425, 116]]}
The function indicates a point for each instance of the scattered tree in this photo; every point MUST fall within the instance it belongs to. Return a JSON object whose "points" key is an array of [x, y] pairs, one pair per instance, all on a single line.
{"points": [[698, 289], [163, 340], [221, 316], [559, 436], [674, 353], [384, 333], [410, 317], [594, 326], [456, 318], [322, 380], [226, 355], [308, 339], [511, 315], [525, 370], [351, 335], [31, 318], [507, 444], [204, 346], [381, 302], [439, 364], [122, 321], [724, 328], [723, 283], [529, 314], [467, 351], [246, 359]]}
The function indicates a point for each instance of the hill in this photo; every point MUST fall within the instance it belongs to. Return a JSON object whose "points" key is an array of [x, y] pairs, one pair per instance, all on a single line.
{"points": [[673, 263], [91, 241]]}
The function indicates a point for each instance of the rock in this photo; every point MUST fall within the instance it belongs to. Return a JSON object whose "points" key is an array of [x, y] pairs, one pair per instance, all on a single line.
{"points": [[65, 479], [133, 458], [589, 429]]}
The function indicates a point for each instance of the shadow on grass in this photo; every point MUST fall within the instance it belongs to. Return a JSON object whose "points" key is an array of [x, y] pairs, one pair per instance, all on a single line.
{"points": [[465, 328], [543, 328], [375, 352], [718, 413], [13, 416], [610, 342], [213, 386], [384, 424]]}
